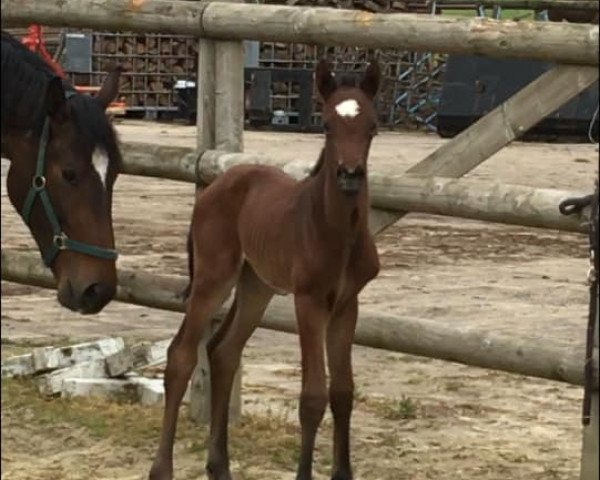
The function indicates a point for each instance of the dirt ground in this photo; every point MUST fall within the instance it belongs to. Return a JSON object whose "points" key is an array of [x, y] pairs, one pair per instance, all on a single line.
{"points": [[415, 418]]}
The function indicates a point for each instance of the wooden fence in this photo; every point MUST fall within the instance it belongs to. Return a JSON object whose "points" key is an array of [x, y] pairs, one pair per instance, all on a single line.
{"points": [[432, 185]]}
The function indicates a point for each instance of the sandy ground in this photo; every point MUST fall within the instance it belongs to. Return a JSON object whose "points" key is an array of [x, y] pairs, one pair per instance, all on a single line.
{"points": [[471, 423]]}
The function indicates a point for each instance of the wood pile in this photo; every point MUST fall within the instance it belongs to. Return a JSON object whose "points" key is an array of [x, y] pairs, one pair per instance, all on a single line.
{"points": [[375, 6], [152, 64]]}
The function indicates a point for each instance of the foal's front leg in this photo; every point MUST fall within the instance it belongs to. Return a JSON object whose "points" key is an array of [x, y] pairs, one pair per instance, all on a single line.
{"points": [[312, 318], [340, 334]]}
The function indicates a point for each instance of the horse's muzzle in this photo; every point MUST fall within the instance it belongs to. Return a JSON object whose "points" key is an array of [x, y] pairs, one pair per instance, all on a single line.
{"points": [[350, 180], [87, 301]]}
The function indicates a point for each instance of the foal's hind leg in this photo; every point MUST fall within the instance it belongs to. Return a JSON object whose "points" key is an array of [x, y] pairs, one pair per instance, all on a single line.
{"points": [[251, 299], [207, 294]]}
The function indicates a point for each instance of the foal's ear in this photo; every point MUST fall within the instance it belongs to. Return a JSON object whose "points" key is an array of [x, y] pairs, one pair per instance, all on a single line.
{"points": [[370, 82], [56, 101], [110, 88], [326, 83]]}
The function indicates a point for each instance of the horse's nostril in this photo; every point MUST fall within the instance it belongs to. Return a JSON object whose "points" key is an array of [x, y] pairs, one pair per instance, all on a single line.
{"points": [[350, 172], [95, 297]]}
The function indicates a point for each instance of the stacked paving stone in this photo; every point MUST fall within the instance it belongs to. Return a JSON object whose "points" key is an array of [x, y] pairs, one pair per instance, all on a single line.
{"points": [[104, 368]]}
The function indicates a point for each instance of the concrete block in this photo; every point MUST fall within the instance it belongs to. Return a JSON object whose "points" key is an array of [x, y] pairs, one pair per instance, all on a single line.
{"points": [[147, 391], [137, 356], [51, 358], [150, 391], [18, 366], [120, 363], [51, 383], [106, 388], [44, 359]]}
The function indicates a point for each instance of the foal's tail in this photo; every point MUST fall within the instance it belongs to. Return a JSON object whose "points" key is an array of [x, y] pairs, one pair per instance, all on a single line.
{"points": [[190, 250]]}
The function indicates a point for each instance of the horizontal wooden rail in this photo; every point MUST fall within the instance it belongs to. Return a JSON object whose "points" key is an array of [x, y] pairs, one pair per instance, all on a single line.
{"points": [[474, 199], [550, 41], [424, 338]]}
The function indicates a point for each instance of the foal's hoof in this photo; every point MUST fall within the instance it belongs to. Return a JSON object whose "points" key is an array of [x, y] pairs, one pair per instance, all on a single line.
{"points": [[215, 472], [342, 476], [158, 472]]}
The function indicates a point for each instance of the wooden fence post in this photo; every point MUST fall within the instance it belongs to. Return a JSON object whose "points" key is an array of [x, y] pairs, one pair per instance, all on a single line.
{"points": [[199, 410], [220, 123], [591, 450], [229, 131]]}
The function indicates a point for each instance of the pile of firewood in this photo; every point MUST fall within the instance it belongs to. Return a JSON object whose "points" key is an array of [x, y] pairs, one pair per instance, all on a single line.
{"points": [[376, 6], [152, 64]]}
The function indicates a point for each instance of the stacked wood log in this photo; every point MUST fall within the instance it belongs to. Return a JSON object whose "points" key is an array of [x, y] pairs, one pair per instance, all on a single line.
{"points": [[152, 64], [376, 6]]}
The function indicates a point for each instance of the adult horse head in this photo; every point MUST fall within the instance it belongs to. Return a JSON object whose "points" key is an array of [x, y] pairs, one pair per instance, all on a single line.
{"points": [[64, 160]]}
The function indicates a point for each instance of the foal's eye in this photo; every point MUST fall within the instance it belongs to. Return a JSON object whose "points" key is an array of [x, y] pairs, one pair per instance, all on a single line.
{"points": [[326, 129], [374, 131], [69, 175]]}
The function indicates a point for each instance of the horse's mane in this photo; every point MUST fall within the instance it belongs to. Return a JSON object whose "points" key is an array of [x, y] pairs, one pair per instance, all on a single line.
{"points": [[25, 77]]}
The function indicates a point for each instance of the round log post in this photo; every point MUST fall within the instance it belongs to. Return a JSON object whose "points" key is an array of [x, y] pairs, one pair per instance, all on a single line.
{"points": [[199, 408], [220, 124]]}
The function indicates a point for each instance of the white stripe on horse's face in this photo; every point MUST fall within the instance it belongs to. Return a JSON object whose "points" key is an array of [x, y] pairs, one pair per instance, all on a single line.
{"points": [[348, 108], [100, 162]]}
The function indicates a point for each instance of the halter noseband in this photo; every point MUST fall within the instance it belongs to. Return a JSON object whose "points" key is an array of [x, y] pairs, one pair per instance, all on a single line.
{"points": [[60, 240]]}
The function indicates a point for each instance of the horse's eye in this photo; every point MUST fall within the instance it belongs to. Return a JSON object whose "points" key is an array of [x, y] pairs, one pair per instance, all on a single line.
{"points": [[374, 131], [69, 175], [326, 128]]}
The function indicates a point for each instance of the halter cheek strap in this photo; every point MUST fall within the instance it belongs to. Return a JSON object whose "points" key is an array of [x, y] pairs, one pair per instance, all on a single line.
{"points": [[60, 240]]}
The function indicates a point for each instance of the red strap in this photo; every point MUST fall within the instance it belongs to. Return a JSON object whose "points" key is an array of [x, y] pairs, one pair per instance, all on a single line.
{"points": [[34, 41]]}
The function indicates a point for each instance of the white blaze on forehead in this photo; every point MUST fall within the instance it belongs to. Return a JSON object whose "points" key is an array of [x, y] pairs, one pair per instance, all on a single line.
{"points": [[100, 162], [348, 108]]}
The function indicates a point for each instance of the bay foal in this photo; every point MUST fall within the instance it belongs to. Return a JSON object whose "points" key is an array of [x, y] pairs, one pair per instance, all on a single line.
{"points": [[259, 230]]}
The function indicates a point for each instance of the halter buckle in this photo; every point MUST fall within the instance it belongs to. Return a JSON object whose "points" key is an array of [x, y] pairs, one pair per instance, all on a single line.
{"points": [[38, 182], [60, 241]]}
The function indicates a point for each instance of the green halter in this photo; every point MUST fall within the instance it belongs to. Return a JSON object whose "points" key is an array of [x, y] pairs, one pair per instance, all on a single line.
{"points": [[60, 241]]}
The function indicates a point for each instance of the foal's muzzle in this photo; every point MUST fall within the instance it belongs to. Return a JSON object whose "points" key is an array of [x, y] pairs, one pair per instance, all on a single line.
{"points": [[350, 180]]}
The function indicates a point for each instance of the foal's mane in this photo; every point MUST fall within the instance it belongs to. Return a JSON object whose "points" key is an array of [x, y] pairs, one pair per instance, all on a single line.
{"points": [[25, 77]]}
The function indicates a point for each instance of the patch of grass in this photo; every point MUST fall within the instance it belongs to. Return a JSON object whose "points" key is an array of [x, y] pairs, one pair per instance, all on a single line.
{"points": [[271, 439], [404, 408], [123, 423], [265, 442]]}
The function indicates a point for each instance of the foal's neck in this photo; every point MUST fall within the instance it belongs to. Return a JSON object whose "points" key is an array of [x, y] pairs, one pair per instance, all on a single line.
{"points": [[340, 212]]}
